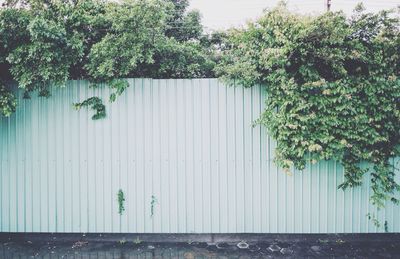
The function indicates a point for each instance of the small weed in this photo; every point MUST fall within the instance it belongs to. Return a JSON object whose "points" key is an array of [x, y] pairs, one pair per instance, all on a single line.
{"points": [[152, 205], [121, 200], [122, 241], [137, 241], [323, 241], [340, 241], [386, 226]]}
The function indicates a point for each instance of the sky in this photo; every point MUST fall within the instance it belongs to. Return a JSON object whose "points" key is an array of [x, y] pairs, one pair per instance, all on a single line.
{"points": [[222, 14]]}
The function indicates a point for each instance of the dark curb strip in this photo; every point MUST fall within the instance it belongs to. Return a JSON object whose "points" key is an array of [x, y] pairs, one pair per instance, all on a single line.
{"points": [[188, 238]]}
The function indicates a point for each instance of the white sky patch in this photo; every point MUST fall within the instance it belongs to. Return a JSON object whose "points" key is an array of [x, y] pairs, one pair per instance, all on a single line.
{"points": [[222, 14]]}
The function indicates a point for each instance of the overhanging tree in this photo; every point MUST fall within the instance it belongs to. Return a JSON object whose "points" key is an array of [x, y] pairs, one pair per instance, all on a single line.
{"points": [[45, 43]]}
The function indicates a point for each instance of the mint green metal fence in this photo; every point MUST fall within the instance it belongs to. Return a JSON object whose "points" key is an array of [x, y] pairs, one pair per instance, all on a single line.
{"points": [[184, 153]]}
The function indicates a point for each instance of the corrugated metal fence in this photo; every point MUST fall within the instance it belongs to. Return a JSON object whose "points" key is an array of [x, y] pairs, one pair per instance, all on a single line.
{"points": [[184, 153]]}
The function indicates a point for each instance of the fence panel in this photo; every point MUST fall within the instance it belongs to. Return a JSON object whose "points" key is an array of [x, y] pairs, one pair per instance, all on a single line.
{"points": [[184, 153]]}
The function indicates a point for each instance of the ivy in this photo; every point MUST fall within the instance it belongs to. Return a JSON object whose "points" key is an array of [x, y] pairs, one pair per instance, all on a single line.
{"points": [[119, 86], [94, 103], [8, 101], [121, 200], [333, 89]]}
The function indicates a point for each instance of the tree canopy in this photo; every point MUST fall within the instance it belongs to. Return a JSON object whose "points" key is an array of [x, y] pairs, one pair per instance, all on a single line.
{"points": [[45, 43]]}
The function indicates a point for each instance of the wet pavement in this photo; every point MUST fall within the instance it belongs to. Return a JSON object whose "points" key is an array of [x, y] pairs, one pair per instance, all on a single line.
{"points": [[331, 247]]}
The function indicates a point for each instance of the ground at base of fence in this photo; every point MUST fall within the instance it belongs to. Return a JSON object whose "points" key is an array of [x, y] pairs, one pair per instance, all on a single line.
{"points": [[318, 247]]}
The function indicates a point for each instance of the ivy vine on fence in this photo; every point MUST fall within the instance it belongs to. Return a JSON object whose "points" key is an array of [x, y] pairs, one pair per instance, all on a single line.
{"points": [[96, 104], [333, 89], [8, 101], [121, 201]]}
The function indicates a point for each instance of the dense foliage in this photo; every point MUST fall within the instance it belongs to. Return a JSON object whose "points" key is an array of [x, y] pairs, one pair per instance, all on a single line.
{"points": [[45, 43], [8, 101], [333, 89]]}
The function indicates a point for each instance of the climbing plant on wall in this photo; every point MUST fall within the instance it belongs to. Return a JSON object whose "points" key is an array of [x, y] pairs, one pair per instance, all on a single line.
{"points": [[8, 102], [333, 89]]}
